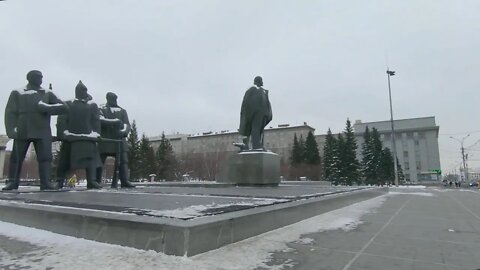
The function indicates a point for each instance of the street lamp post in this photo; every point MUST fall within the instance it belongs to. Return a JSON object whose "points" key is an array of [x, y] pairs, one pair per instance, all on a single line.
{"points": [[464, 157], [394, 148]]}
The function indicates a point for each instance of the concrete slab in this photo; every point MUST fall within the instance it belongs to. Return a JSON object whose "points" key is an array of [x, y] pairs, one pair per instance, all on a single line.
{"points": [[175, 220], [252, 168], [409, 231]]}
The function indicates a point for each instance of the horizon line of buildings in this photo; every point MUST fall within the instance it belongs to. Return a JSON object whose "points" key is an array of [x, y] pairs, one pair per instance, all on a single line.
{"points": [[416, 144]]}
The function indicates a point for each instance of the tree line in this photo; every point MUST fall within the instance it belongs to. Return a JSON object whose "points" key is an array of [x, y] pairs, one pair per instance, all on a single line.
{"points": [[144, 160], [340, 164]]}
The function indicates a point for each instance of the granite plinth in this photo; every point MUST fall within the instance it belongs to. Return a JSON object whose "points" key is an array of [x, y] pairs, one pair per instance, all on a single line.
{"points": [[176, 220], [252, 168]]}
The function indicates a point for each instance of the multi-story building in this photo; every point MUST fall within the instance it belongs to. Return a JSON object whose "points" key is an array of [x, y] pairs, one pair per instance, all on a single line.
{"points": [[416, 145], [277, 139], [416, 141]]}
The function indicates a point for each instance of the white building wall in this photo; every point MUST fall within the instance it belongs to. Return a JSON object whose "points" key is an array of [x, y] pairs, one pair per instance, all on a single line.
{"points": [[416, 142]]}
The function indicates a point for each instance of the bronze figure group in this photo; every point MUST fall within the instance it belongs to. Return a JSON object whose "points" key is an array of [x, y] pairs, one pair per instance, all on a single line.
{"points": [[88, 134]]}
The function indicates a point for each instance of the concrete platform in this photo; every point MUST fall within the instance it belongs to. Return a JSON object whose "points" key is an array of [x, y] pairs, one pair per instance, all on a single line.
{"points": [[176, 220]]}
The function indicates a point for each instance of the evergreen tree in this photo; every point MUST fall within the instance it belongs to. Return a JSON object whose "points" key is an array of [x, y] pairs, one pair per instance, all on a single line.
{"points": [[351, 165], [328, 156], [377, 150], [301, 146], [133, 152], [401, 176], [386, 173], [297, 155], [165, 159], [147, 163], [311, 155], [368, 162], [339, 163]]}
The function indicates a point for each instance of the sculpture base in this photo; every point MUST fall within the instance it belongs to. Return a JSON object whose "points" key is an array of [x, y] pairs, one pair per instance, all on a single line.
{"points": [[252, 168]]}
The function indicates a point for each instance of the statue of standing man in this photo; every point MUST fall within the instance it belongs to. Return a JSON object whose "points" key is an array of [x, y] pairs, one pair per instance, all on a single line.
{"points": [[79, 131], [115, 126], [255, 114], [27, 120]]}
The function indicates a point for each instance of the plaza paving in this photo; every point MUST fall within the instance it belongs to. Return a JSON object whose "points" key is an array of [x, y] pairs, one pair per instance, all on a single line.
{"points": [[407, 232], [432, 228]]}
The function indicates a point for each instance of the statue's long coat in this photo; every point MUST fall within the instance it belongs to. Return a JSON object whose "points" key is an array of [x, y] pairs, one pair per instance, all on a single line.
{"points": [[255, 104], [114, 130], [80, 129], [27, 114]]}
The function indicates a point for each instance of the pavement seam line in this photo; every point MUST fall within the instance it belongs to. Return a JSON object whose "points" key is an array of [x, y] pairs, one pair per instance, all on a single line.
{"points": [[349, 264], [387, 257], [466, 208], [412, 260]]}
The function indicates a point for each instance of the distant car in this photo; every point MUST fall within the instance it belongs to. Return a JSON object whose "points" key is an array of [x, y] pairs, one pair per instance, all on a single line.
{"points": [[473, 184]]}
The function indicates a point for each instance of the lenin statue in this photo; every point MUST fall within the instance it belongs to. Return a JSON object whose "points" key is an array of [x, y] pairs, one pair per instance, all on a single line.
{"points": [[27, 120], [79, 131], [255, 114], [115, 126]]}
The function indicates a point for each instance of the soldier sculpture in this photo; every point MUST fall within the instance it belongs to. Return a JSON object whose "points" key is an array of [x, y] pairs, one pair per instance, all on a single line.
{"points": [[79, 131], [27, 120], [115, 127]]}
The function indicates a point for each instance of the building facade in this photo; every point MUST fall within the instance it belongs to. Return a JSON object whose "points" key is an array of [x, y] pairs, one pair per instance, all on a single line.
{"points": [[416, 141], [277, 139], [206, 153]]}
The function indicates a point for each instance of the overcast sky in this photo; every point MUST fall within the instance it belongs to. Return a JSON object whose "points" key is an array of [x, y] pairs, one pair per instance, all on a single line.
{"points": [[183, 66]]}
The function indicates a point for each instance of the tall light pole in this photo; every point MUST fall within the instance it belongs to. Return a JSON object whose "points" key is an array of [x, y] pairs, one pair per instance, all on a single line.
{"points": [[464, 157], [394, 148]]}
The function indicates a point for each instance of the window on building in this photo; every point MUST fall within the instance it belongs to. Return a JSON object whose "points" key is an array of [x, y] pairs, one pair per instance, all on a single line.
{"points": [[405, 154], [419, 165], [406, 166], [417, 143]]}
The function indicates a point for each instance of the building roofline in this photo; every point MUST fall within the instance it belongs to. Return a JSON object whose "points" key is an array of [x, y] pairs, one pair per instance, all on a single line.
{"points": [[435, 128], [190, 136], [423, 117]]}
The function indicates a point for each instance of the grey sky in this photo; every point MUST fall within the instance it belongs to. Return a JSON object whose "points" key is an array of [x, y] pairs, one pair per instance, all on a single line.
{"points": [[183, 66]]}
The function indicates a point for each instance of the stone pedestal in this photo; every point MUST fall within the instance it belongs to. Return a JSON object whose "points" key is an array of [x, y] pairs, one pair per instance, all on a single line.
{"points": [[3, 146], [252, 168]]}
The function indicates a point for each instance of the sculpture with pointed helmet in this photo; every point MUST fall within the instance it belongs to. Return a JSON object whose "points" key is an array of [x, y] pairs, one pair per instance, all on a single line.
{"points": [[79, 130]]}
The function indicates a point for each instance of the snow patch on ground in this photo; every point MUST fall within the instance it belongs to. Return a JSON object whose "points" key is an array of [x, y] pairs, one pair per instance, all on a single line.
{"points": [[411, 187], [65, 252], [200, 210], [305, 241], [427, 194]]}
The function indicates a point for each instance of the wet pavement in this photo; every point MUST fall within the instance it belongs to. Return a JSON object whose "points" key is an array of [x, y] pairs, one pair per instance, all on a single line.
{"points": [[409, 231]]}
